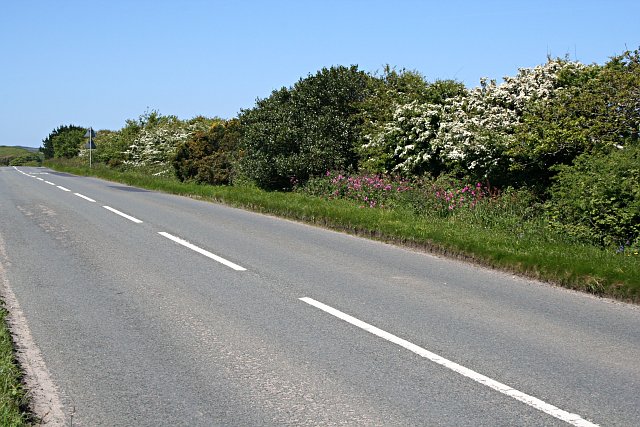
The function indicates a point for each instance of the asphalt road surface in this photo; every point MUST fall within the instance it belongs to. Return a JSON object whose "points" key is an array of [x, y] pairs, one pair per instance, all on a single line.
{"points": [[150, 309]]}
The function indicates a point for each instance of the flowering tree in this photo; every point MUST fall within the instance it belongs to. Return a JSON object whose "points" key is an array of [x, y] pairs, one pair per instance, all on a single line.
{"points": [[156, 142], [478, 130], [595, 110], [401, 116], [472, 131], [406, 142]]}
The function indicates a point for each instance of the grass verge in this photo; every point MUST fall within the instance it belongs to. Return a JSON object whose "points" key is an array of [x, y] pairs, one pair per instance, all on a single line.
{"points": [[546, 257], [13, 397]]}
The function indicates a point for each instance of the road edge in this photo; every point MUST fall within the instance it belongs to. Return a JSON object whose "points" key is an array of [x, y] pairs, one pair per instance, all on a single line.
{"points": [[44, 399]]}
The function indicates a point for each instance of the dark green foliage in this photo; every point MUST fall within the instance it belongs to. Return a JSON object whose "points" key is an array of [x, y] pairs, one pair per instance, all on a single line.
{"points": [[208, 157], [395, 88], [390, 89], [597, 199], [305, 130], [66, 145]]}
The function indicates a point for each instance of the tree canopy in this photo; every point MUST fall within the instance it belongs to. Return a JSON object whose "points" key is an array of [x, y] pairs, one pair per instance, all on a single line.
{"points": [[63, 141], [305, 130]]}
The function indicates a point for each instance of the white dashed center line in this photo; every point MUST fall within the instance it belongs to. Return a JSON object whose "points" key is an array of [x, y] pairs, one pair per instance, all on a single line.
{"points": [[122, 214], [202, 251], [62, 188], [85, 197], [534, 402]]}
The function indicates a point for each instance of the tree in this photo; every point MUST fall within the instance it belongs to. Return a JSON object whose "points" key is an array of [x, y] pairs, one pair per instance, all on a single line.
{"points": [[596, 109], [393, 94], [67, 144], [404, 143], [48, 148], [478, 131], [305, 130]]}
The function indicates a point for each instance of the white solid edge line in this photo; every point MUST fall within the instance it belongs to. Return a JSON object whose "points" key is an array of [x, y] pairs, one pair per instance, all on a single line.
{"points": [[62, 188], [122, 214], [202, 251], [85, 197], [534, 402]]}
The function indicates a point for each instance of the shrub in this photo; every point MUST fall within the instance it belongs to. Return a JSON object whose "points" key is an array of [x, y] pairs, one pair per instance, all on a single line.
{"points": [[154, 140], [207, 157], [598, 197], [26, 160], [110, 146], [596, 108]]}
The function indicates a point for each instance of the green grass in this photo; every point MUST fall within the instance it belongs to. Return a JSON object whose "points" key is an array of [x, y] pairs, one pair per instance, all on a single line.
{"points": [[13, 398], [533, 251], [10, 154], [12, 151]]}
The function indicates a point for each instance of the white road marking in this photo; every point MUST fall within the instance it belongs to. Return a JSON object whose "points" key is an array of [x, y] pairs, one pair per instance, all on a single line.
{"points": [[85, 197], [122, 214], [202, 251], [62, 188], [38, 178], [32, 173], [534, 402], [49, 182]]}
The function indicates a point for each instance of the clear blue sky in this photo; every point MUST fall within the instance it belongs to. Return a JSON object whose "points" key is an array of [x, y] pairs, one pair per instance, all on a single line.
{"points": [[98, 63]]}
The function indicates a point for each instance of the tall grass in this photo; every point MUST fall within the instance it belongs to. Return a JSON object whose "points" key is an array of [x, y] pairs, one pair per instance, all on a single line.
{"points": [[504, 231], [13, 397]]}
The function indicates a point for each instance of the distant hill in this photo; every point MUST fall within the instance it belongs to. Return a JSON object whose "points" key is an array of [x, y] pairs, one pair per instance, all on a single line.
{"points": [[30, 149], [12, 154], [15, 151]]}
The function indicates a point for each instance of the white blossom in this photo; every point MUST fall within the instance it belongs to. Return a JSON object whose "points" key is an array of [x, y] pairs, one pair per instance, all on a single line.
{"points": [[473, 129], [155, 145]]}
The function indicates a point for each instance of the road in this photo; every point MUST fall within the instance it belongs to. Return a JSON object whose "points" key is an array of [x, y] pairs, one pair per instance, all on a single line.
{"points": [[152, 309]]}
